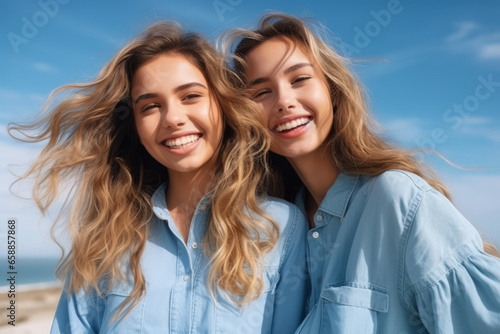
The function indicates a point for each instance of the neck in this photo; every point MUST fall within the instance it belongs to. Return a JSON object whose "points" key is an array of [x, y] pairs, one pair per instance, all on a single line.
{"points": [[317, 173], [185, 190], [183, 194]]}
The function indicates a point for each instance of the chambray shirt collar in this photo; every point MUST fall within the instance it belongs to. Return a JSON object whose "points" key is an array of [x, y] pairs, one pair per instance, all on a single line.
{"points": [[337, 197]]}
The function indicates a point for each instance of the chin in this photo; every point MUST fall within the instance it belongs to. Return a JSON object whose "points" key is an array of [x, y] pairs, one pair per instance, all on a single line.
{"points": [[293, 152]]}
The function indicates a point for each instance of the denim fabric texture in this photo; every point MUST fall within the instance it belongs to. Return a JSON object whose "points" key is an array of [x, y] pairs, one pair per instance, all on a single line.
{"points": [[177, 299], [390, 254]]}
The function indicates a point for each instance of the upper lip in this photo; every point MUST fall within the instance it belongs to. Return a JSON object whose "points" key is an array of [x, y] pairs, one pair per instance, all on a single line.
{"points": [[180, 134], [289, 118]]}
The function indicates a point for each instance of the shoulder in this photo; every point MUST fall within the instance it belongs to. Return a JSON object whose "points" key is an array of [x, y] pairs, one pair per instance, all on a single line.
{"points": [[392, 195], [427, 214], [436, 239], [283, 212], [396, 183], [292, 224]]}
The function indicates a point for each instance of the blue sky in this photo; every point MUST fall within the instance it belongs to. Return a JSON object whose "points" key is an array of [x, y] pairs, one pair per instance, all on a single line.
{"points": [[431, 69]]}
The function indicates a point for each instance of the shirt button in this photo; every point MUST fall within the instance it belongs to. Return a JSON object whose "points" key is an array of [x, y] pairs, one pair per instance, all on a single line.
{"points": [[316, 235], [319, 217], [186, 277], [194, 245], [203, 207]]}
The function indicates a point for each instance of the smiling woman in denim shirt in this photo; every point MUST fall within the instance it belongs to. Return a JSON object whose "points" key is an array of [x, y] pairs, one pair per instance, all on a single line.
{"points": [[388, 252], [171, 231]]}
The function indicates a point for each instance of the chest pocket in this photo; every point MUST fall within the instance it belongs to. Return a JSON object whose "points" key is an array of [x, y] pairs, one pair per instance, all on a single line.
{"points": [[113, 300], [352, 308], [232, 319]]}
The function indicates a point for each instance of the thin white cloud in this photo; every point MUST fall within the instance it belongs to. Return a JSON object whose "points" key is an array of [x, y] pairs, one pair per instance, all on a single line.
{"points": [[482, 127], [18, 96], [17, 106], [468, 37], [492, 134], [463, 30], [396, 60], [403, 130], [408, 131], [477, 120], [471, 37], [43, 67], [490, 51], [10, 94]]}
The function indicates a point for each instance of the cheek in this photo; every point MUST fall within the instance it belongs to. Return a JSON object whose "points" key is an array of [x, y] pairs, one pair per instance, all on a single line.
{"points": [[321, 97], [145, 127], [264, 113], [219, 127], [215, 122]]}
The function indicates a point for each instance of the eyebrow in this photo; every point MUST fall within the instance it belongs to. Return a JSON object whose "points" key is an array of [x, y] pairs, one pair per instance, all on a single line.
{"points": [[176, 90], [296, 67], [145, 97], [188, 85], [287, 71]]}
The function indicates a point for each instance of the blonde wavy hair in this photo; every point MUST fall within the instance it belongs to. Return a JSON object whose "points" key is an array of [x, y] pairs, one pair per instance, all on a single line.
{"points": [[92, 142], [353, 143]]}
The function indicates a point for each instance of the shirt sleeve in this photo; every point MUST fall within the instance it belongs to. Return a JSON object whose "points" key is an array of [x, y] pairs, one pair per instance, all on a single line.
{"points": [[449, 283], [77, 313], [292, 287]]}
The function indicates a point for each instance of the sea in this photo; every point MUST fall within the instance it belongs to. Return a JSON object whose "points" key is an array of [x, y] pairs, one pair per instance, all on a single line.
{"points": [[29, 272]]}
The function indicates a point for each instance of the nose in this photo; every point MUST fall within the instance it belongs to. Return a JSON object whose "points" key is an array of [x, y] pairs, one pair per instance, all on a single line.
{"points": [[285, 100], [173, 116]]}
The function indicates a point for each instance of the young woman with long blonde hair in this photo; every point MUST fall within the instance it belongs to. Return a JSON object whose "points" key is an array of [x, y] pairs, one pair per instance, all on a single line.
{"points": [[170, 227], [388, 252]]}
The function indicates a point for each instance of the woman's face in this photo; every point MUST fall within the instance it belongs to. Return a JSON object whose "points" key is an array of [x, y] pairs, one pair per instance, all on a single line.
{"points": [[177, 119], [293, 94]]}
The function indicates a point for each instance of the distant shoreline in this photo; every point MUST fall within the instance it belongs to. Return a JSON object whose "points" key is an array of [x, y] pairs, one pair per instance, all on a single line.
{"points": [[30, 273], [33, 286]]}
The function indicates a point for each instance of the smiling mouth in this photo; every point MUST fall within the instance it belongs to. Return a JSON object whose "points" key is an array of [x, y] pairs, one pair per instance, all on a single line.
{"points": [[291, 125], [181, 142]]}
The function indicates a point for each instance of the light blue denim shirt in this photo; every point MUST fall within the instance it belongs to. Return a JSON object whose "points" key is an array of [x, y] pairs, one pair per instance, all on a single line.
{"points": [[177, 299], [390, 254]]}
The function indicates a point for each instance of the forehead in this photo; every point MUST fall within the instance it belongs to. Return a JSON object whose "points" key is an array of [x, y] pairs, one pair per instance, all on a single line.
{"points": [[165, 71], [274, 55]]}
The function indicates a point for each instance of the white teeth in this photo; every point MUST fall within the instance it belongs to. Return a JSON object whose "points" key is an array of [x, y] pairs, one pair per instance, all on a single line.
{"points": [[292, 124], [181, 142]]}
